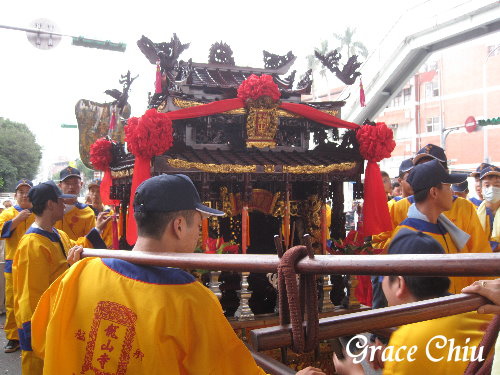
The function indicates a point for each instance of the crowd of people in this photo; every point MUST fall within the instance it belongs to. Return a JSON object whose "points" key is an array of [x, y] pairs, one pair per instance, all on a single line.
{"points": [[70, 315]]}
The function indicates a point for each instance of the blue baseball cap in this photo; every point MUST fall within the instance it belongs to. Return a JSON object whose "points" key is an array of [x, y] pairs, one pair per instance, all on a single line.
{"points": [[430, 151], [490, 170], [47, 191], [69, 172], [406, 165], [408, 241], [426, 175], [460, 187], [169, 193], [24, 182], [481, 166]]}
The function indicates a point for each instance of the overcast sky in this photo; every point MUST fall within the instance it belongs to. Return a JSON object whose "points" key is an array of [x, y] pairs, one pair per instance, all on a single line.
{"points": [[40, 88]]}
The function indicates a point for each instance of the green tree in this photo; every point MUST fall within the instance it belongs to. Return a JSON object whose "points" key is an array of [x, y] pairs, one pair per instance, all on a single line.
{"points": [[86, 172], [20, 154], [348, 43]]}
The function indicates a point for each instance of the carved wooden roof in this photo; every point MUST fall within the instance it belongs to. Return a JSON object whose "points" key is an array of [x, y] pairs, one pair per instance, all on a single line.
{"points": [[224, 76]]}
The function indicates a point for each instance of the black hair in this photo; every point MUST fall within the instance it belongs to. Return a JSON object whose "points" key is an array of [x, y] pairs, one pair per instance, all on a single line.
{"points": [[384, 174], [152, 224], [395, 185], [38, 208], [425, 287], [421, 195]]}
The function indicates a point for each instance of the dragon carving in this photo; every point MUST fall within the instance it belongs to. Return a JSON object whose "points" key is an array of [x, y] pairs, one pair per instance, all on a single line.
{"points": [[331, 60], [167, 53]]}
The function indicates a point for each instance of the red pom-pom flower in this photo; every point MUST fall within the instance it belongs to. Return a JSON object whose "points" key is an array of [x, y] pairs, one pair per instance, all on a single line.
{"points": [[254, 87], [101, 154], [149, 135], [375, 142]]}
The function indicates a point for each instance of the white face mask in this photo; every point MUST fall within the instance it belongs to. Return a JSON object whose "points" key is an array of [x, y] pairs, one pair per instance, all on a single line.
{"points": [[491, 194]]}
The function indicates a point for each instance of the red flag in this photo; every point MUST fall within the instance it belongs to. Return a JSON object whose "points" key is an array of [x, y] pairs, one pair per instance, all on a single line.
{"points": [[361, 94]]}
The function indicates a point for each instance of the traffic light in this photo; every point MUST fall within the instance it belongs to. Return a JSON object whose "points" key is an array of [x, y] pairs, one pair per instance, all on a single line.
{"points": [[100, 44]]}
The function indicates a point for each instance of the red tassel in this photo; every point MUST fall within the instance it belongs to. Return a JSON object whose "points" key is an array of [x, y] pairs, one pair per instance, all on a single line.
{"points": [[112, 121], [376, 217], [361, 94], [158, 89], [244, 229], [142, 171]]}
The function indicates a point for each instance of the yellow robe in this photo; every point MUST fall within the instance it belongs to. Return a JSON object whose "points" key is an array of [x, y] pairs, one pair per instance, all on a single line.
{"points": [[107, 233], [437, 232], [135, 320], [462, 214], [11, 237], [77, 222], [428, 335], [40, 259], [491, 224]]}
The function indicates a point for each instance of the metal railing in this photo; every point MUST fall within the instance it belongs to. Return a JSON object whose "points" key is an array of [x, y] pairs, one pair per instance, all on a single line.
{"points": [[476, 264]]}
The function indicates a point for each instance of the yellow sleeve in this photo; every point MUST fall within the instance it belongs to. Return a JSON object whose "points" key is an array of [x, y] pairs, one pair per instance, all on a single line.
{"points": [[107, 233], [382, 240], [91, 240], [399, 211], [31, 277], [469, 222], [5, 217]]}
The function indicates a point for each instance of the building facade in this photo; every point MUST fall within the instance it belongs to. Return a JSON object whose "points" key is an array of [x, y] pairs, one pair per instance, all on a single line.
{"points": [[454, 85]]}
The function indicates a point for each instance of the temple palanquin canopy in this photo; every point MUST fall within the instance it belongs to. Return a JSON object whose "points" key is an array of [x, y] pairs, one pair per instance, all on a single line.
{"points": [[258, 157]]}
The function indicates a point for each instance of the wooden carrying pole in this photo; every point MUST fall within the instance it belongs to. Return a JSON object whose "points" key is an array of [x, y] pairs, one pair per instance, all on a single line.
{"points": [[472, 264], [270, 365], [350, 324]]}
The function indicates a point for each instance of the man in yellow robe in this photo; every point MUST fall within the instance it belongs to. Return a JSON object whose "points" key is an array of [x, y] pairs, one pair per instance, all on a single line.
{"points": [[142, 319], [95, 203], [438, 346], [488, 211], [40, 258], [462, 212], [433, 196], [78, 218], [14, 221], [477, 184]]}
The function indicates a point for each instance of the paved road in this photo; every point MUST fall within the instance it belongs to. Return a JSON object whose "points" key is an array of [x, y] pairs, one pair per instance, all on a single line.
{"points": [[10, 363]]}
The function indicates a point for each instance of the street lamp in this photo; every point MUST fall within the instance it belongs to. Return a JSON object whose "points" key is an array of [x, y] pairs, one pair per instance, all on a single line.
{"points": [[44, 34]]}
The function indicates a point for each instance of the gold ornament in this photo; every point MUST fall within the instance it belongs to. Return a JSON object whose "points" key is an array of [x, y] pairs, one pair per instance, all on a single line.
{"points": [[214, 168], [268, 168], [310, 169], [262, 122], [122, 173], [182, 103]]}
